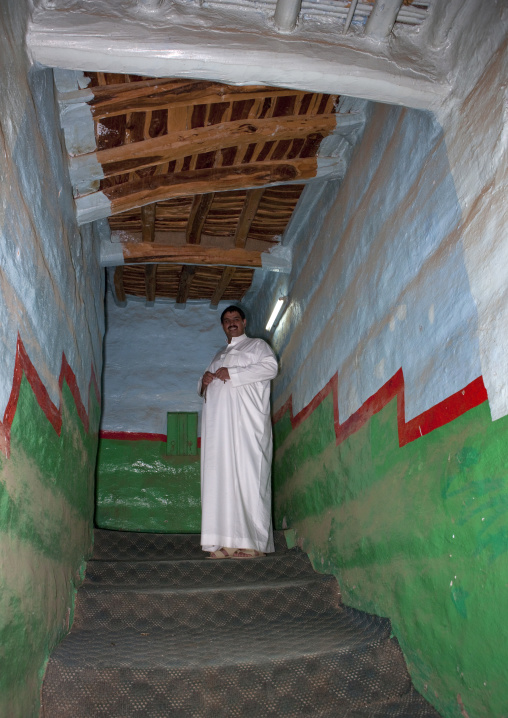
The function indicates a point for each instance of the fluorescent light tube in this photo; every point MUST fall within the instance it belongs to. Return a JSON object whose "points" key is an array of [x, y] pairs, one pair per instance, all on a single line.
{"points": [[275, 313]]}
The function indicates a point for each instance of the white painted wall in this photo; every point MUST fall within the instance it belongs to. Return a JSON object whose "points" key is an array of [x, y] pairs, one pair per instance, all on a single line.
{"points": [[51, 285], [476, 133], [379, 280], [409, 254], [154, 357]]}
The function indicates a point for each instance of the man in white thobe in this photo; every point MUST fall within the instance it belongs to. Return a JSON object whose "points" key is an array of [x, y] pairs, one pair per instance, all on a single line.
{"points": [[236, 445]]}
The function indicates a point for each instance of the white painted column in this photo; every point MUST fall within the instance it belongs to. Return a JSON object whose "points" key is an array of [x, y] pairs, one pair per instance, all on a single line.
{"points": [[286, 14], [382, 18]]}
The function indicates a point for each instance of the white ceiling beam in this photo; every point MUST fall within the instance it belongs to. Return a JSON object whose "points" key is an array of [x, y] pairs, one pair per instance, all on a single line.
{"points": [[197, 43]]}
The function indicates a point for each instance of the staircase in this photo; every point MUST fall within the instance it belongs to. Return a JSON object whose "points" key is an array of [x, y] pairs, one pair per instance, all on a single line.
{"points": [[161, 631]]}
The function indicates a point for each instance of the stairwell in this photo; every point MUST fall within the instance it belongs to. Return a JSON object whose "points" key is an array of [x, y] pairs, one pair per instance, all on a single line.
{"points": [[161, 631]]}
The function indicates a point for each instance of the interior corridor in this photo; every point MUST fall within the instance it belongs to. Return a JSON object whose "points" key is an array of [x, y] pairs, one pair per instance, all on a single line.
{"points": [[160, 161]]}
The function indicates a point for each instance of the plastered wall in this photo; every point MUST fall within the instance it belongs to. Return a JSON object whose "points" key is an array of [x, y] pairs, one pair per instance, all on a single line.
{"points": [[388, 464], [51, 326], [154, 356]]}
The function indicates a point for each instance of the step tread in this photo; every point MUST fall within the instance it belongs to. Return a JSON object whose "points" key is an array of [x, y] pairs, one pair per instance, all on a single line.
{"points": [[92, 589], [187, 572], [331, 633], [162, 609], [128, 545], [296, 668]]}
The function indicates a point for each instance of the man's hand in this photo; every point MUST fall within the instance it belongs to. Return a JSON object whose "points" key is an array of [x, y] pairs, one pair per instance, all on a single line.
{"points": [[222, 374], [208, 377]]}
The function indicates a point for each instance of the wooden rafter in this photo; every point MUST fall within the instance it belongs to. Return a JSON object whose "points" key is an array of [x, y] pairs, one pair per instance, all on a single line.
{"points": [[199, 211], [151, 95], [119, 288], [148, 235], [148, 222], [224, 282], [138, 192], [150, 282], [223, 165], [131, 157], [184, 285], [200, 207], [250, 207], [142, 252]]}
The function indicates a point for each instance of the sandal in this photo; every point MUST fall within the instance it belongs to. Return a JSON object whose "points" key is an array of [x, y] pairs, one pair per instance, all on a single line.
{"points": [[248, 553], [223, 552]]}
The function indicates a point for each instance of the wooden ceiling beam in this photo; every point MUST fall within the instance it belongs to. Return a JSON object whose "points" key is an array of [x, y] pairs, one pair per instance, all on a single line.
{"points": [[134, 156], [153, 189], [148, 235], [184, 285], [149, 95], [199, 211], [150, 282], [148, 252], [148, 222], [249, 210], [224, 282], [137, 193], [119, 286]]}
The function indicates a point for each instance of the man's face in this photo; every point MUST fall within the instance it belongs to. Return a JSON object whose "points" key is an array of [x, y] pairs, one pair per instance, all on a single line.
{"points": [[233, 325]]}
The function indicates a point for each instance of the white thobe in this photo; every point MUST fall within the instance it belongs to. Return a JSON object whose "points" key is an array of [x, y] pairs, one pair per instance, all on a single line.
{"points": [[236, 449]]}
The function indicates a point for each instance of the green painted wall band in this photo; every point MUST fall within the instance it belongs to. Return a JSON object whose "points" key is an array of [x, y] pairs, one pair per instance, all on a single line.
{"points": [[141, 488], [417, 534]]}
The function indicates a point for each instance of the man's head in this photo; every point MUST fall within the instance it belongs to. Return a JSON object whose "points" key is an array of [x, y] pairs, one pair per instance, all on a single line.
{"points": [[233, 322]]}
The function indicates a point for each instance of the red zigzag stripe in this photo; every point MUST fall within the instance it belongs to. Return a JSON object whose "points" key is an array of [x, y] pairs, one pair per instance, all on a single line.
{"points": [[23, 365], [443, 413]]}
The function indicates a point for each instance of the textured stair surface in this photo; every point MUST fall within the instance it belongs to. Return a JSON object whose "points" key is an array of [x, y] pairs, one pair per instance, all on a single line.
{"points": [[161, 631]]}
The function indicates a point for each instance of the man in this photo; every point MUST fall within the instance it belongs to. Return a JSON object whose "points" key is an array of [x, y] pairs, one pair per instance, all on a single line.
{"points": [[236, 445]]}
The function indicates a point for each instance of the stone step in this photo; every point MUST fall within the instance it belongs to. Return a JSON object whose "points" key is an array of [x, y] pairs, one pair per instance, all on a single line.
{"points": [[132, 546], [293, 667], [193, 572], [151, 608], [160, 631]]}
